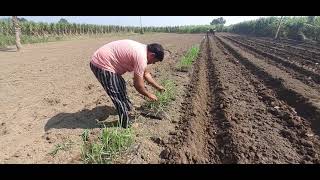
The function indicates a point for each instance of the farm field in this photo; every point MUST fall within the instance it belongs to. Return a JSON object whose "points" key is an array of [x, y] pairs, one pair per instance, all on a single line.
{"points": [[50, 96], [243, 100], [260, 105]]}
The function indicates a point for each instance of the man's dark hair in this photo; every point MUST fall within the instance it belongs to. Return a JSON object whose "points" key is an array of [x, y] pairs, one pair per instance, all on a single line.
{"points": [[157, 49]]}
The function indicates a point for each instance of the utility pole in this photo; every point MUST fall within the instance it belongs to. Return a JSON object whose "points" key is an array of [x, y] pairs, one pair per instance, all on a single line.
{"points": [[17, 30], [141, 30]]}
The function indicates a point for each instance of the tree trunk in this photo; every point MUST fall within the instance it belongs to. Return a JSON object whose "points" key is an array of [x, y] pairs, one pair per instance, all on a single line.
{"points": [[276, 36], [17, 32]]}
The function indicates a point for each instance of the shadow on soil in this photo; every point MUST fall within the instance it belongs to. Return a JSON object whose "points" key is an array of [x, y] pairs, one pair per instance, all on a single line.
{"points": [[85, 119], [5, 49]]}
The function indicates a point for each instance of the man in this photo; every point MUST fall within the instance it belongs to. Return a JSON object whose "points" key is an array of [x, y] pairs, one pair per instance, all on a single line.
{"points": [[212, 31], [112, 60]]}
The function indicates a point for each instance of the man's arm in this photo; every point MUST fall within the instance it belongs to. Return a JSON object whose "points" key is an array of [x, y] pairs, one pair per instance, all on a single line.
{"points": [[139, 85], [149, 79]]}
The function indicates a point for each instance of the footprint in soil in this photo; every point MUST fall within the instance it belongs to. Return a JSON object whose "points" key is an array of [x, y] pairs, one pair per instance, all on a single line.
{"points": [[3, 129], [158, 140], [182, 69], [167, 53], [89, 87], [51, 101], [153, 114]]}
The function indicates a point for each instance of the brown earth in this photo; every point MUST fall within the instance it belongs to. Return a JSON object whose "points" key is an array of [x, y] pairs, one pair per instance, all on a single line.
{"points": [[243, 101], [49, 96], [257, 112]]}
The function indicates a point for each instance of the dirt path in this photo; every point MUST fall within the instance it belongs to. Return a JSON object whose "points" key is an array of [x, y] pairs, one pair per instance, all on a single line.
{"points": [[191, 141]]}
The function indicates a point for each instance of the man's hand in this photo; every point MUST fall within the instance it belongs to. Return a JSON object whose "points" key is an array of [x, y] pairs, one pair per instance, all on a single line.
{"points": [[161, 89], [152, 97], [149, 79]]}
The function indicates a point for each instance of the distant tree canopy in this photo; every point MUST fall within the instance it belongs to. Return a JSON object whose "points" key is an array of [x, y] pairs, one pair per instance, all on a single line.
{"points": [[218, 21], [10, 19], [5, 19], [298, 28], [62, 20], [22, 19], [311, 19]]}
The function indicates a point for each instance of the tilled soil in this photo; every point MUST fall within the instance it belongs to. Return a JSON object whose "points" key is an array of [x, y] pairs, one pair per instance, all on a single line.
{"points": [[242, 118], [243, 102]]}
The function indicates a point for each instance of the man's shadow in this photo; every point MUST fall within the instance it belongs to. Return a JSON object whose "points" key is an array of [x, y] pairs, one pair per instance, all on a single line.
{"points": [[84, 119], [6, 49]]}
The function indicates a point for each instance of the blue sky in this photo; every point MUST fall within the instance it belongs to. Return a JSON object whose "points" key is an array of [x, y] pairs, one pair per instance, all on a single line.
{"points": [[146, 20]]}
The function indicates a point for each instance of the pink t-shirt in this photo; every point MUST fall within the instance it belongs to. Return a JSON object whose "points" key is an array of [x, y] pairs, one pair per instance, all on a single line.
{"points": [[122, 56]]}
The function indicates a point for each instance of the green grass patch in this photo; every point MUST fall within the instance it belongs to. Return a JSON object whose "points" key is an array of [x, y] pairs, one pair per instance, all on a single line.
{"points": [[111, 143], [164, 98], [187, 60]]}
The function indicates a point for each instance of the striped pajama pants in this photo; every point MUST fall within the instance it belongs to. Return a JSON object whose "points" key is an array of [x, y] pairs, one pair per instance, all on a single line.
{"points": [[115, 86]]}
